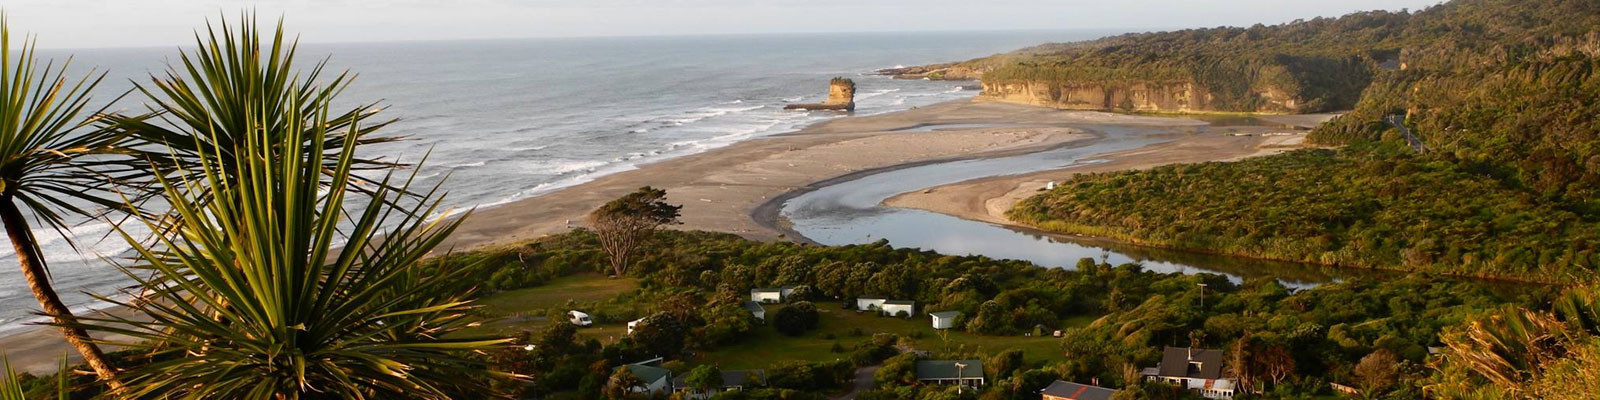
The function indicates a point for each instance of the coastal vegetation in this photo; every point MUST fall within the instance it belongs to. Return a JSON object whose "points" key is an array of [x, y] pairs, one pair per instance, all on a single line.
{"points": [[1294, 342], [1475, 158]]}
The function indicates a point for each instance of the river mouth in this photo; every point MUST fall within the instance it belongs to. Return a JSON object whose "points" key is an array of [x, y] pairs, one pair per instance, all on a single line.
{"points": [[851, 211]]}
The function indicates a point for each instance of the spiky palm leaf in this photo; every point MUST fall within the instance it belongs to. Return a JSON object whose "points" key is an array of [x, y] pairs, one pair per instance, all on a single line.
{"points": [[236, 84], [254, 296], [11, 383], [54, 165]]}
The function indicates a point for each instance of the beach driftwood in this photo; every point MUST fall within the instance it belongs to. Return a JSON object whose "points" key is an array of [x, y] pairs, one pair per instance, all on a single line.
{"points": [[841, 97]]}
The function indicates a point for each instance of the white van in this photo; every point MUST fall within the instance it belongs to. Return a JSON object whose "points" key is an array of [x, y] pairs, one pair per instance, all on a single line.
{"points": [[579, 318]]}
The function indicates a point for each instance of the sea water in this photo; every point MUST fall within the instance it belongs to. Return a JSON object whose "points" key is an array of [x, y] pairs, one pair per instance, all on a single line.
{"points": [[507, 120]]}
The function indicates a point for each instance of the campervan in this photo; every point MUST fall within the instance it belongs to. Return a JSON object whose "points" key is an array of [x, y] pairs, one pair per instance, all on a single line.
{"points": [[579, 318]]}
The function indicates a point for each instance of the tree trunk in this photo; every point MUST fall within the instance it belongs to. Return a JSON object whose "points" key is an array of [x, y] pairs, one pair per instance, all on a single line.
{"points": [[33, 269]]}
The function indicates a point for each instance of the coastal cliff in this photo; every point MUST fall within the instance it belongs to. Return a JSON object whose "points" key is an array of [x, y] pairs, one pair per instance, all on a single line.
{"points": [[1303, 67], [841, 97], [1132, 96]]}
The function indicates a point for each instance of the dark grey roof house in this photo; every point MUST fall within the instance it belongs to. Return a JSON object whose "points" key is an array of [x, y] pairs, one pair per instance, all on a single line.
{"points": [[1195, 369], [731, 381], [1063, 390], [967, 373]]}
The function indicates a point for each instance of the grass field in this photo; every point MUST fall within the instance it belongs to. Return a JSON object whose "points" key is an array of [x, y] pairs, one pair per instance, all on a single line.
{"points": [[766, 347], [522, 309], [583, 287]]}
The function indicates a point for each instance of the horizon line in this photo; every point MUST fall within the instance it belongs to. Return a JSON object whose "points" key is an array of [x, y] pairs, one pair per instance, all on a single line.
{"points": [[42, 45]]}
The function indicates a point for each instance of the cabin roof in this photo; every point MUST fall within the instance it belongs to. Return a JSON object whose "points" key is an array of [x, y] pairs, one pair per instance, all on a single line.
{"points": [[947, 369], [1077, 391], [1175, 363]]}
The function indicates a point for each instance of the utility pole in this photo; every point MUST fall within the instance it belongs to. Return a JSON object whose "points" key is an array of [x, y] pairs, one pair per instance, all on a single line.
{"points": [[1202, 295]]}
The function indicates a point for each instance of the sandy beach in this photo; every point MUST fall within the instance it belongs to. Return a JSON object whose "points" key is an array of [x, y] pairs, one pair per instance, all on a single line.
{"points": [[722, 189]]}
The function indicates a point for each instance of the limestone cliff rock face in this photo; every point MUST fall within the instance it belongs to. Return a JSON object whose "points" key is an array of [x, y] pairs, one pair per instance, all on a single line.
{"points": [[841, 97], [1175, 96]]}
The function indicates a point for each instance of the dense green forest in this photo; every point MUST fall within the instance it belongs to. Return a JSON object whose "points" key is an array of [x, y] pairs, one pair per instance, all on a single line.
{"points": [[1503, 96]]}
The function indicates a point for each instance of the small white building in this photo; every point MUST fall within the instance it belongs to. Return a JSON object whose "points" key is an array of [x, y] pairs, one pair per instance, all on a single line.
{"points": [[579, 318], [633, 323], [944, 320], [756, 310], [870, 303], [894, 308], [766, 295], [771, 295]]}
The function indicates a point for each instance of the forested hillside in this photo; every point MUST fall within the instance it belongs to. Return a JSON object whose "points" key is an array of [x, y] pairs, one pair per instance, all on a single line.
{"points": [[1503, 96]]}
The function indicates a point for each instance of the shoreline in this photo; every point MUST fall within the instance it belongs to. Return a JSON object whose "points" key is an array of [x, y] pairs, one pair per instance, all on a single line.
{"points": [[719, 188], [741, 188]]}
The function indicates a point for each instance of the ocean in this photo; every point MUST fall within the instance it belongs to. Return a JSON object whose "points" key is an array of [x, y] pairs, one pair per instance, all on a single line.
{"points": [[507, 120]]}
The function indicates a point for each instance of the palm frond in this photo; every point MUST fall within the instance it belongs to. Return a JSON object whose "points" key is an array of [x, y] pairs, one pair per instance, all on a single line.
{"points": [[272, 288], [235, 83], [52, 159]]}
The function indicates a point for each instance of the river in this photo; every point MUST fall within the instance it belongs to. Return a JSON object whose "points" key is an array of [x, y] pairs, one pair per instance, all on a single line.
{"points": [[851, 211]]}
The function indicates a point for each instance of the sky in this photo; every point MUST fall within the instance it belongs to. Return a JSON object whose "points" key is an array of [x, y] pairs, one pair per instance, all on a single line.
{"points": [[140, 23]]}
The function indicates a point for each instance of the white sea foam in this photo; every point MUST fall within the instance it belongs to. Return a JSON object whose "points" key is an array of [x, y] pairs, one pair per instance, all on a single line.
{"points": [[467, 165]]}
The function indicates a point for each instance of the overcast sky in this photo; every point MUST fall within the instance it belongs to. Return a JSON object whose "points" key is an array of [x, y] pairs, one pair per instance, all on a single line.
{"points": [[124, 23]]}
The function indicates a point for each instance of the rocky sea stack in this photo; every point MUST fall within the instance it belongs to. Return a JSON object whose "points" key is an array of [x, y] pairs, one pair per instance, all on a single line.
{"points": [[841, 97]]}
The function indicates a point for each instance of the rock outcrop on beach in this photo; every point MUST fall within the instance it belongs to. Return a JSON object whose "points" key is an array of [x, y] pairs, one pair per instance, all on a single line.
{"points": [[841, 97]]}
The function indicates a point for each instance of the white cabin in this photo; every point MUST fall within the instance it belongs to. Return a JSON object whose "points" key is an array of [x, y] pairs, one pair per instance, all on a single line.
{"points": [[870, 303], [894, 308], [770, 295], [945, 320]]}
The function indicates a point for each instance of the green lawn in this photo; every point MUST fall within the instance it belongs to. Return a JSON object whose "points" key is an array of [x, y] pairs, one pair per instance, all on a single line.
{"points": [[766, 347], [520, 310], [584, 287]]}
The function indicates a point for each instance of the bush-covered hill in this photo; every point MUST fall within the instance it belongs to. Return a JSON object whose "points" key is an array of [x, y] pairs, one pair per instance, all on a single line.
{"points": [[1323, 64], [1503, 94]]}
